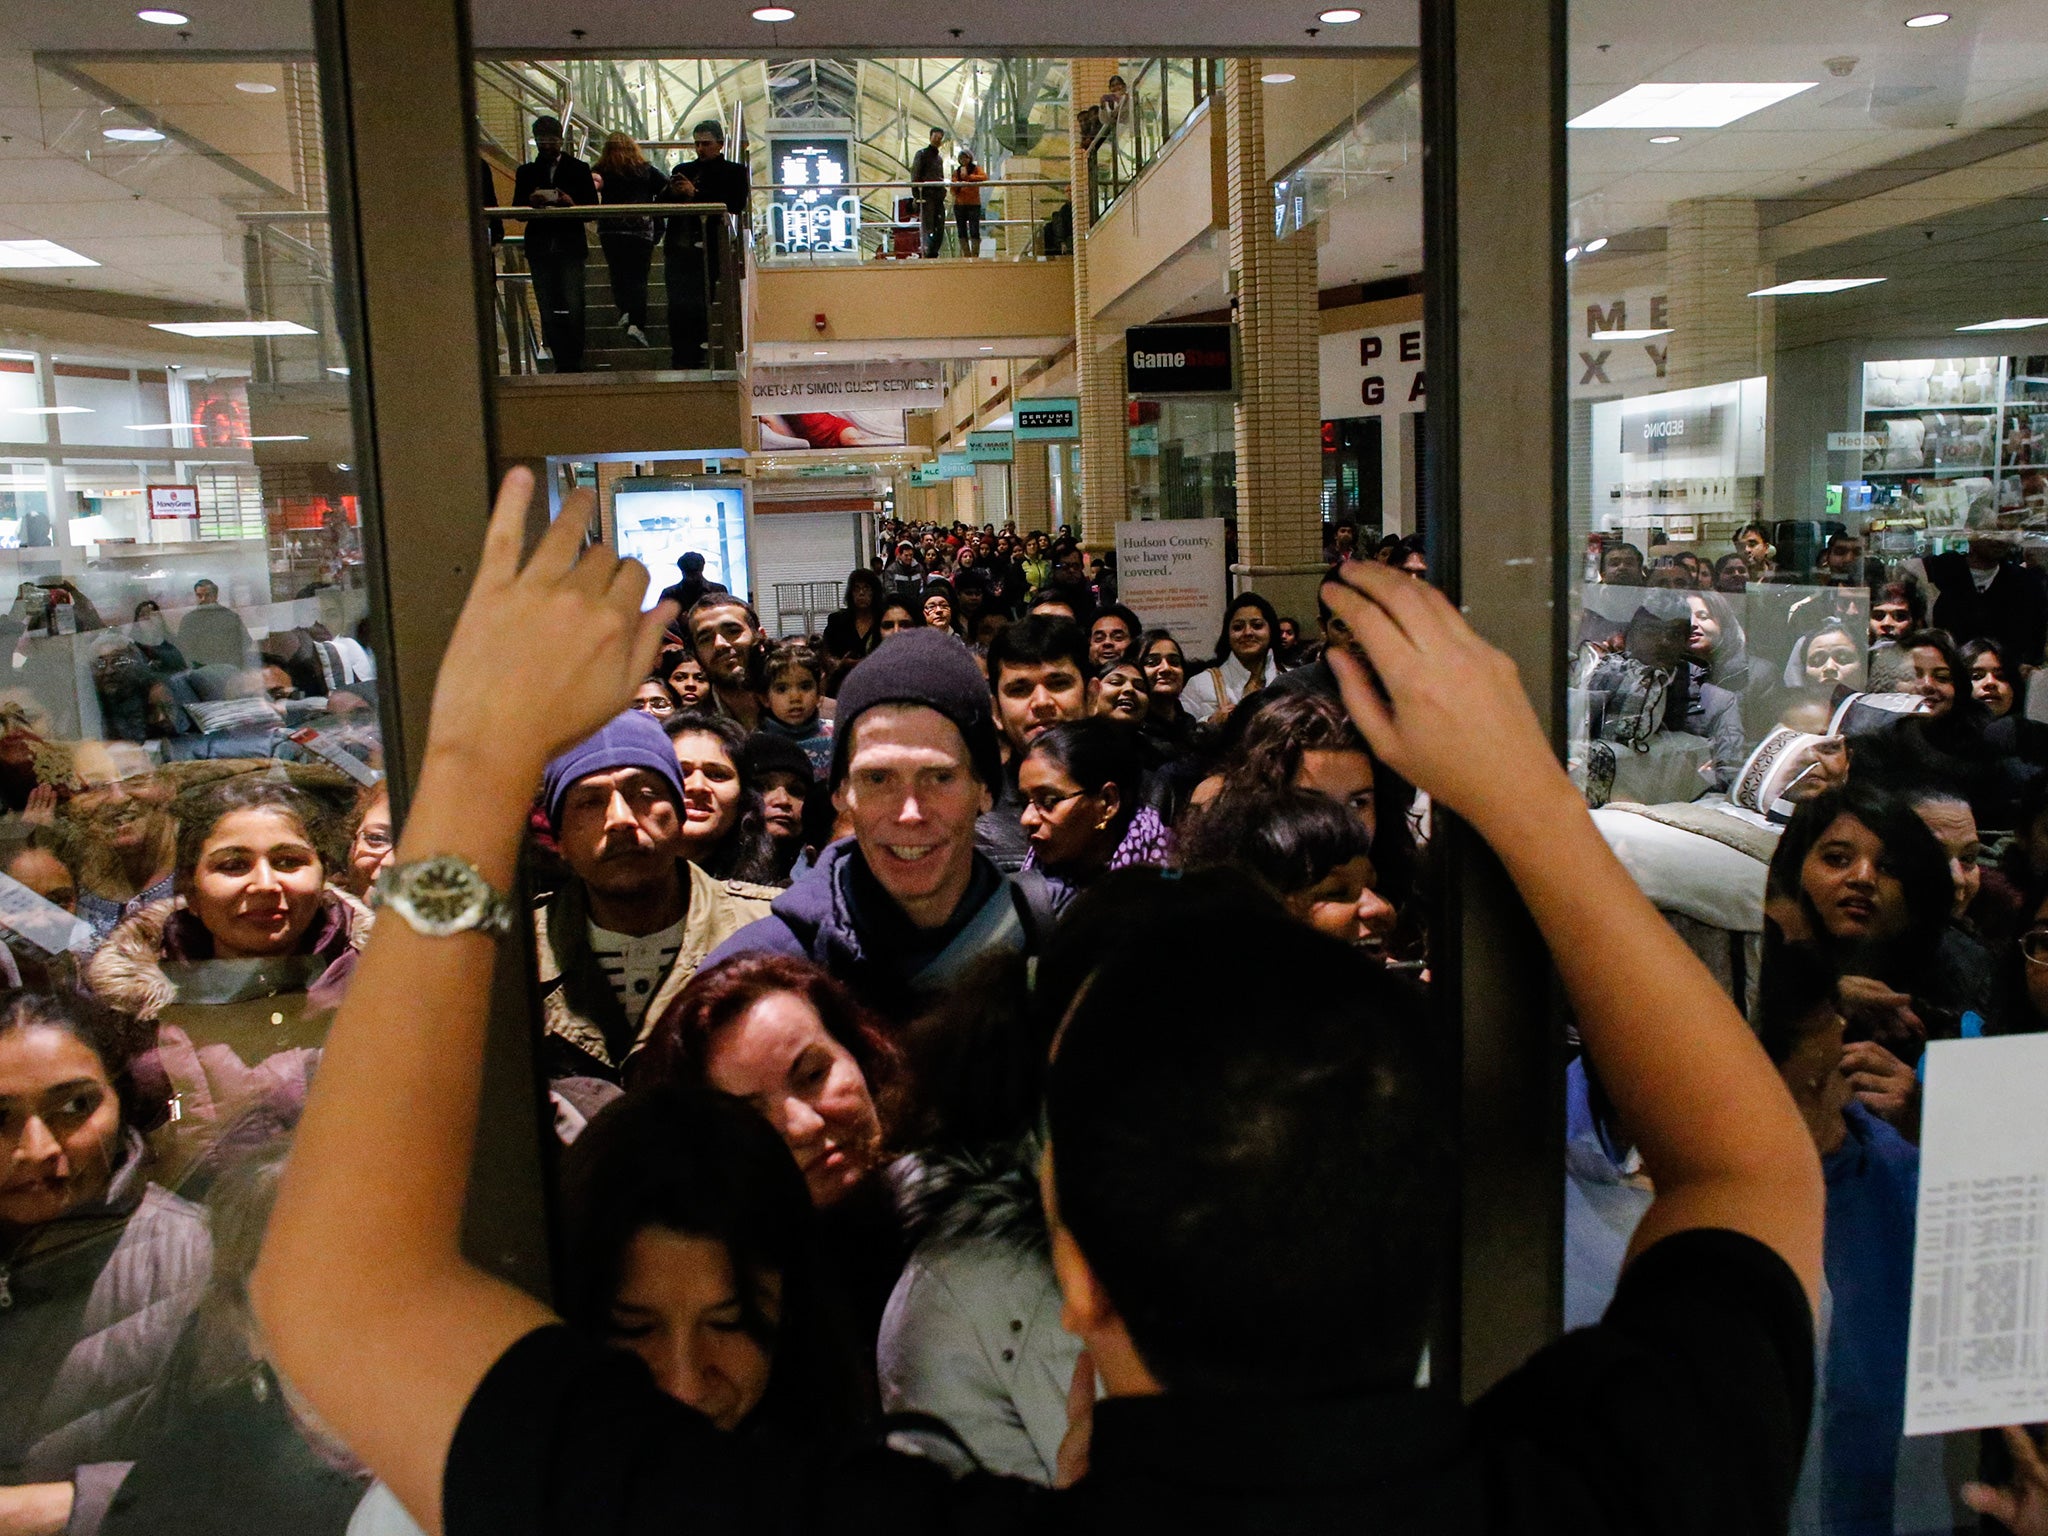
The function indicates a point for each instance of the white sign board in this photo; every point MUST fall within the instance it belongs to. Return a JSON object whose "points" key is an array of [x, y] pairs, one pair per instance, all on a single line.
{"points": [[173, 501], [904, 386], [1376, 372], [1978, 1342], [1174, 576]]}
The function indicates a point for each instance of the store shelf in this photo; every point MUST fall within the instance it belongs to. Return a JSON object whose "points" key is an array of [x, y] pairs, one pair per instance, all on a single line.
{"points": [[1981, 408], [1945, 469]]}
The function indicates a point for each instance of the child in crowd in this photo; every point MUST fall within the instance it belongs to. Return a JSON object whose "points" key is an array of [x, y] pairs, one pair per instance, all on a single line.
{"points": [[796, 678]]}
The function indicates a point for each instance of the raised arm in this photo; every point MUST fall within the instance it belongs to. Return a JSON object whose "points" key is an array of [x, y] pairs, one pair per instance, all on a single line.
{"points": [[1721, 1137], [366, 1302]]}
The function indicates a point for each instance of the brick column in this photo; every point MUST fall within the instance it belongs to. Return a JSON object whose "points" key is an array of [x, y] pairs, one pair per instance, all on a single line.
{"points": [[1714, 260], [1031, 488], [1279, 414], [1098, 360]]}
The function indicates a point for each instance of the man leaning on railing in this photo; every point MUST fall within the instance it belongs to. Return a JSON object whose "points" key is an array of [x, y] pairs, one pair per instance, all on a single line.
{"points": [[694, 248]]}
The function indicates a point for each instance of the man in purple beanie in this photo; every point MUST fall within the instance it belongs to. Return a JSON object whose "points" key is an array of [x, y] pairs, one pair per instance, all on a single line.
{"points": [[630, 925], [906, 907]]}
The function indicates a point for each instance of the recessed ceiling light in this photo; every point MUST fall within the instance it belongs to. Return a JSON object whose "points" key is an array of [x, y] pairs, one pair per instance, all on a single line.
{"points": [[163, 18], [1341, 16], [233, 327], [1927, 19], [41, 253], [1571, 253], [132, 135], [1812, 285], [820, 354], [338, 368], [1278, 77], [49, 410], [1642, 335], [774, 13], [283, 437], [1700, 105], [1599, 244], [1664, 138], [255, 87], [2005, 325], [988, 349]]}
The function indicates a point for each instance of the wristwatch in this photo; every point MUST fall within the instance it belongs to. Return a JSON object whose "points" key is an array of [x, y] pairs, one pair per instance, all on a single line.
{"points": [[442, 896]]}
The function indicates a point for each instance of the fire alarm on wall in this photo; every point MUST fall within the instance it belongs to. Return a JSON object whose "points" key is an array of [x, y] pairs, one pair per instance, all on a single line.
{"points": [[818, 323]]}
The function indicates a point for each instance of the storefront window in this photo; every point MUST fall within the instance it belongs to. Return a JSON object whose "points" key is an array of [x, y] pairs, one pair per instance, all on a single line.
{"points": [[190, 772], [1183, 460], [1809, 514]]}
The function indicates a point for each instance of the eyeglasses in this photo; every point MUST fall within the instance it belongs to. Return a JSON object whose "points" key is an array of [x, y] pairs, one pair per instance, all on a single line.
{"points": [[2034, 945], [1045, 802], [375, 839], [654, 706]]}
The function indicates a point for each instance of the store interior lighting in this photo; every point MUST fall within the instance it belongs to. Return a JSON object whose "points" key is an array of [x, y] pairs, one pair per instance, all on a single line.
{"points": [[233, 327], [132, 135], [256, 87], [2020, 324], [1343, 15], [41, 253], [163, 18], [774, 13], [49, 410], [1278, 77], [1806, 285], [1637, 335], [1927, 19]]}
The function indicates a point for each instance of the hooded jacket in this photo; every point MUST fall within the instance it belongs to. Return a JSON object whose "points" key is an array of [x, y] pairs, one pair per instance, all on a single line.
{"points": [[972, 1333], [585, 1024], [95, 1303], [819, 919]]}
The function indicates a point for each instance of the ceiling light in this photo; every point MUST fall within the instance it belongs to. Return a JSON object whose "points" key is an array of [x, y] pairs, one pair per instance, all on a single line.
{"points": [[1278, 77], [40, 253], [1664, 138], [255, 87], [1599, 244], [1812, 285], [2005, 325], [233, 327], [1641, 335], [1571, 253], [49, 410], [1341, 16], [283, 437], [774, 13], [163, 18], [1701, 105], [988, 349], [338, 368], [820, 354], [1927, 19], [132, 135], [158, 426]]}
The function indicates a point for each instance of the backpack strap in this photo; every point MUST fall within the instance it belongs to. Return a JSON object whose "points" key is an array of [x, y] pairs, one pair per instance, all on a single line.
{"points": [[1040, 913]]}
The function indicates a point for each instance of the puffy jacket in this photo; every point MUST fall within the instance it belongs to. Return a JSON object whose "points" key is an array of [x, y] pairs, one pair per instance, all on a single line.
{"points": [[972, 1333], [584, 1022], [95, 1303]]}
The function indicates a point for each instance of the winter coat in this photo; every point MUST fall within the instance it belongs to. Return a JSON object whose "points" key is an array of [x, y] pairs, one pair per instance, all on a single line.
{"points": [[972, 1333], [95, 1303], [816, 919], [585, 1025]]}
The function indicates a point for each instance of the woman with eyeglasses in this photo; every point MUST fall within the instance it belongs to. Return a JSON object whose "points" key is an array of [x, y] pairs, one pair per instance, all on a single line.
{"points": [[369, 847], [652, 697], [1081, 782]]}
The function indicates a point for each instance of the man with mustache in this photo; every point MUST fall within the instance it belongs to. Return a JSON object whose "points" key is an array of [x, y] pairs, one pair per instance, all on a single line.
{"points": [[634, 919]]}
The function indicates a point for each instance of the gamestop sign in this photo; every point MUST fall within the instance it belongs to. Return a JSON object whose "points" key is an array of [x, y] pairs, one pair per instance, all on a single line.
{"points": [[1161, 361]]}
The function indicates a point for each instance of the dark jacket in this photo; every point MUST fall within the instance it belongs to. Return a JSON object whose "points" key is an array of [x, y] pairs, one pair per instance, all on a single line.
{"points": [[843, 638], [928, 170], [838, 916], [2012, 610], [999, 831], [96, 1302], [555, 237], [641, 186]]}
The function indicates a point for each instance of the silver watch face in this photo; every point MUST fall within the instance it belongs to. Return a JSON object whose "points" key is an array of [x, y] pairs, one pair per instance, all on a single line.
{"points": [[442, 894]]}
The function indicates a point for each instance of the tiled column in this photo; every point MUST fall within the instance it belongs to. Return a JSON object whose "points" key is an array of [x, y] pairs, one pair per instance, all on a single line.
{"points": [[1031, 485], [1279, 413], [1098, 360], [1713, 262]]}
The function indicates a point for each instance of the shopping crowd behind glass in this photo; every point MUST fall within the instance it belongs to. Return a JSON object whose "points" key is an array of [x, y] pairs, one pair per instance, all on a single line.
{"points": [[794, 1053]]}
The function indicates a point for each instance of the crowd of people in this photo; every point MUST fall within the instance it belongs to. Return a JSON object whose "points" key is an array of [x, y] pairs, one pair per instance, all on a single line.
{"points": [[838, 935]]}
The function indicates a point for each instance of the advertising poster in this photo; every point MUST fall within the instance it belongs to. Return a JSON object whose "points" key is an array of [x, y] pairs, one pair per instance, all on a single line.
{"points": [[659, 520], [813, 431], [1174, 574]]}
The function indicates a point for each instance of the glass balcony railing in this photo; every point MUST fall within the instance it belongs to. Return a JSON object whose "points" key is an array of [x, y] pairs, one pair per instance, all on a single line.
{"points": [[1148, 102]]}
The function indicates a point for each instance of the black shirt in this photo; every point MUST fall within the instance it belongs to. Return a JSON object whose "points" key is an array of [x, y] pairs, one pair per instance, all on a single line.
{"points": [[1683, 1411], [555, 237]]}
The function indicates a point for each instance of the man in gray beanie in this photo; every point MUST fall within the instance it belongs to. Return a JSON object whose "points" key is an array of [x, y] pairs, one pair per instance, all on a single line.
{"points": [[633, 919], [906, 906]]}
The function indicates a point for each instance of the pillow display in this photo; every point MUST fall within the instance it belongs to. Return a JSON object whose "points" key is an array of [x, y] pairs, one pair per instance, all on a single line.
{"points": [[235, 715], [1904, 451]]}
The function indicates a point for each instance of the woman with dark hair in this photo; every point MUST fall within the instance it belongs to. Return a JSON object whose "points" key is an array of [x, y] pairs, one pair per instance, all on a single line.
{"points": [[689, 1241], [1992, 679], [1167, 733], [1860, 876], [781, 1035], [1082, 782], [896, 615], [724, 830], [102, 1266], [253, 861], [688, 683], [1954, 739], [1731, 575], [1307, 849], [1244, 661]]}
